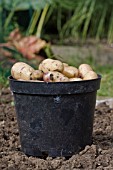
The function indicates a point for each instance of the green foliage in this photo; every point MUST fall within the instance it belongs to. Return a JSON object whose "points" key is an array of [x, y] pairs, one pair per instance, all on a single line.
{"points": [[25, 5], [91, 18], [106, 88], [18, 5], [67, 4], [4, 73], [76, 18]]}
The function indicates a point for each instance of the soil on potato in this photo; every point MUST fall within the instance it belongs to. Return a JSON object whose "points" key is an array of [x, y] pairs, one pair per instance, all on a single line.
{"points": [[97, 156]]}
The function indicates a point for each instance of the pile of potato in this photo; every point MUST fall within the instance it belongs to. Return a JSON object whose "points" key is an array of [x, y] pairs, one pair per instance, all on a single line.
{"points": [[52, 71]]}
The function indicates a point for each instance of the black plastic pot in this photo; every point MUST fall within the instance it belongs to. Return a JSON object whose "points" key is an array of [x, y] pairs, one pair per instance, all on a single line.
{"points": [[55, 119]]}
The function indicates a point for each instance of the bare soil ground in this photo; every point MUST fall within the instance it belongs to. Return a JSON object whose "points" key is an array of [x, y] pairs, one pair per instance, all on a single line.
{"points": [[97, 156]]}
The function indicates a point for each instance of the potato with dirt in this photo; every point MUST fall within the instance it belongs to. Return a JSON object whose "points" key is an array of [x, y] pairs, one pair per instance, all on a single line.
{"points": [[55, 76], [65, 64], [21, 70], [90, 75], [52, 71], [83, 69], [70, 71], [75, 79], [51, 65], [37, 75]]}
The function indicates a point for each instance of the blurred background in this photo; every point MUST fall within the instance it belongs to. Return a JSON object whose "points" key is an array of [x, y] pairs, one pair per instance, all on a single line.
{"points": [[76, 31]]}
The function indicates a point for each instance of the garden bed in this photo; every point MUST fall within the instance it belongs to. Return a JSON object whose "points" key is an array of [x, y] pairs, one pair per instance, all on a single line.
{"points": [[97, 156]]}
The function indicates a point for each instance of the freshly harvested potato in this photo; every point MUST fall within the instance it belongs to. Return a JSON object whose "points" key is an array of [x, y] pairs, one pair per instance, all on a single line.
{"points": [[52, 71], [90, 75], [84, 69], [54, 76], [70, 71], [48, 77], [37, 75], [21, 70], [65, 64], [51, 65], [75, 79]]}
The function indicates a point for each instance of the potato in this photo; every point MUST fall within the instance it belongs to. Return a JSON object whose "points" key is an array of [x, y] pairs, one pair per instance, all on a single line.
{"points": [[48, 77], [75, 79], [37, 75], [90, 75], [70, 71], [84, 69], [52, 71], [51, 65], [54, 76], [65, 64], [21, 70]]}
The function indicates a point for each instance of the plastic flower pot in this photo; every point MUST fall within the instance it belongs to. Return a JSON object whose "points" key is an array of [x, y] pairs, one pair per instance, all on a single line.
{"points": [[55, 119]]}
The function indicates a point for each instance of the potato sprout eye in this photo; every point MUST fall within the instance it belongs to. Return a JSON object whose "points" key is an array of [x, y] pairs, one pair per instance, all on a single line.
{"points": [[51, 76]]}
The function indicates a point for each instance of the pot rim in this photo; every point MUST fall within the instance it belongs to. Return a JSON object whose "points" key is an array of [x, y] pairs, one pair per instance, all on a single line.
{"points": [[43, 82], [54, 88]]}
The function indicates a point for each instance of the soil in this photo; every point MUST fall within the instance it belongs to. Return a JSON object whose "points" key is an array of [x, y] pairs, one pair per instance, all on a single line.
{"points": [[97, 156]]}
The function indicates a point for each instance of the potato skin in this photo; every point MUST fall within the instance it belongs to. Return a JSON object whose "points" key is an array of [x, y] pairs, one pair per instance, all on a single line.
{"points": [[65, 64], [52, 71], [84, 69], [48, 77], [75, 79], [21, 70], [54, 76], [37, 75], [51, 65], [70, 71], [90, 75]]}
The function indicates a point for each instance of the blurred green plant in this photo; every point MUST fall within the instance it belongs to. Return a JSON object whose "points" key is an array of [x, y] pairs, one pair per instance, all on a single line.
{"points": [[76, 18], [90, 18], [106, 88], [4, 73], [9, 7]]}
